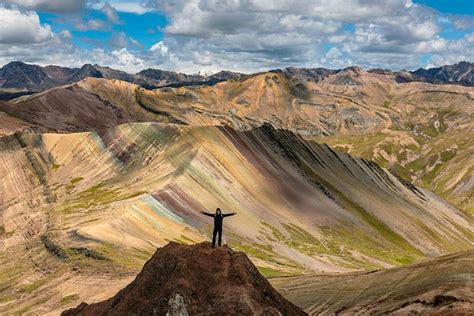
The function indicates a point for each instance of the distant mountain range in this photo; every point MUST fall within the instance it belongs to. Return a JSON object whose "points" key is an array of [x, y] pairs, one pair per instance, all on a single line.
{"points": [[18, 76]]}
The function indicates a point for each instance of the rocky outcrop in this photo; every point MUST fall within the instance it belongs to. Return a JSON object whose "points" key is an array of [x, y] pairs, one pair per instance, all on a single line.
{"points": [[194, 280]]}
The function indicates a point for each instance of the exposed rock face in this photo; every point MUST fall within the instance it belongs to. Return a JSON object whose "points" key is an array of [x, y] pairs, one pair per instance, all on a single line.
{"points": [[194, 280]]}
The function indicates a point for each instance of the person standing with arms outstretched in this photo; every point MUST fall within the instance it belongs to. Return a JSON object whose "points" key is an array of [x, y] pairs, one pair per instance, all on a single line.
{"points": [[218, 219]]}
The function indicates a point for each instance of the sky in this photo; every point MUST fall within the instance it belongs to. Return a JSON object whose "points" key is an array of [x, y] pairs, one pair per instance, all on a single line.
{"points": [[207, 36]]}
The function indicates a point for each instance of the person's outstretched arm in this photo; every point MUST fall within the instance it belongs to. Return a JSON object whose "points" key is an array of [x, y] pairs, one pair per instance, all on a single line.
{"points": [[229, 214], [208, 214]]}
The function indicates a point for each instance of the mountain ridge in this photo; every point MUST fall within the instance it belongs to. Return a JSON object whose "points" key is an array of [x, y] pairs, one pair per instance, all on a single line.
{"points": [[22, 76], [420, 131]]}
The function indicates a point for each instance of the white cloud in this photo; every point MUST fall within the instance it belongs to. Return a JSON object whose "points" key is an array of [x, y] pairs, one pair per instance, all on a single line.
{"points": [[463, 22], [122, 40], [333, 53], [59, 6], [247, 35], [261, 34], [159, 47], [93, 24], [110, 13], [123, 59], [202, 58], [130, 6], [65, 34], [22, 27], [454, 51]]}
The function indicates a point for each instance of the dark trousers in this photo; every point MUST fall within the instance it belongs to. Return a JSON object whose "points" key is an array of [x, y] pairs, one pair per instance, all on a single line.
{"points": [[214, 233]]}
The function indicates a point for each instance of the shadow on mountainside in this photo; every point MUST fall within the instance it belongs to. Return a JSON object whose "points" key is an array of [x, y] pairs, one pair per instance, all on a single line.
{"points": [[194, 279]]}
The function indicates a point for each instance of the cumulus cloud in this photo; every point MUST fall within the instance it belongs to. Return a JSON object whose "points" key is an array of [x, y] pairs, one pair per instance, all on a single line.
{"points": [[454, 51], [463, 22], [122, 40], [60, 51], [283, 33], [58, 6], [131, 6], [124, 59], [333, 53], [259, 34], [92, 24], [110, 13], [160, 48], [22, 27], [256, 35]]}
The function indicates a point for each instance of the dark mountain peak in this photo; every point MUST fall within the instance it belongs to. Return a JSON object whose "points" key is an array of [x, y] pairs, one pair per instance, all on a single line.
{"points": [[153, 72], [19, 75], [195, 280], [464, 63], [460, 73], [380, 71], [159, 74], [15, 64], [87, 70], [111, 73], [18, 66], [307, 74], [227, 75], [459, 65], [59, 74], [355, 69]]}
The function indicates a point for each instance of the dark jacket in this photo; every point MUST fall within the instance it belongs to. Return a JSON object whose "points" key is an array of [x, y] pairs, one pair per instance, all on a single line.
{"points": [[218, 219]]}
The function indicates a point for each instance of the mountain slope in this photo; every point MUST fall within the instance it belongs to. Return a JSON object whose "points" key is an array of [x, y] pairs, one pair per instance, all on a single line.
{"points": [[82, 207], [441, 286], [421, 131]]}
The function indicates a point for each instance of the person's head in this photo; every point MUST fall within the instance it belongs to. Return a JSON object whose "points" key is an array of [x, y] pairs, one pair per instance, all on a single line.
{"points": [[218, 211]]}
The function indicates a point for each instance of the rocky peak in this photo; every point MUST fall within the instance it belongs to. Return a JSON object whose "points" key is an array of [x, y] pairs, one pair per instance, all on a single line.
{"points": [[195, 280]]}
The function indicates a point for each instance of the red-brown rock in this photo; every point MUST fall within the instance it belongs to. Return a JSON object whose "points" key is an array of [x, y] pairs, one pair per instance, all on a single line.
{"points": [[194, 280]]}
